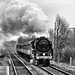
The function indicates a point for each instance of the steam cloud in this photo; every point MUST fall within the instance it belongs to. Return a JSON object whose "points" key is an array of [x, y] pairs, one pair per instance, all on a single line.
{"points": [[22, 16]]}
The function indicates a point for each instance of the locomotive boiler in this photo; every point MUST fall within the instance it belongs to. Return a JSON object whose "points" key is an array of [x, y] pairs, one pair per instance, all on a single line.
{"points": [[40, 51]]}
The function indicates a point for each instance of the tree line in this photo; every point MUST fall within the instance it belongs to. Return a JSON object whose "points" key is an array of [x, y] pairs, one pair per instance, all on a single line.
{"points": [[63, 38]]}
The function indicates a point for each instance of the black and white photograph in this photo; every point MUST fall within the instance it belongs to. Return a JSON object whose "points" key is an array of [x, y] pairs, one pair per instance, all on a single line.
{"points": [[37, 37]]}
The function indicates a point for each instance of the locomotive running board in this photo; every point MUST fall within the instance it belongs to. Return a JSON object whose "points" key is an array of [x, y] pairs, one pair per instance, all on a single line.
{"points": [[43, 57]]}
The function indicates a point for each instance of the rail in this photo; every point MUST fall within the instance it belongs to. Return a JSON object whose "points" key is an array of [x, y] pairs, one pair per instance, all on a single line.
{"points": [[27, 68]]}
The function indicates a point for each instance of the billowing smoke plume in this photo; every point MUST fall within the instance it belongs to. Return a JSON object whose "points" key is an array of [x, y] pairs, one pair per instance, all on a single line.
{"points": [[21, 16]]}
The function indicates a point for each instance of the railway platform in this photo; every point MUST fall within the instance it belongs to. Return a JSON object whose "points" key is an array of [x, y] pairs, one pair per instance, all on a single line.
{"points": [[4, 70]]}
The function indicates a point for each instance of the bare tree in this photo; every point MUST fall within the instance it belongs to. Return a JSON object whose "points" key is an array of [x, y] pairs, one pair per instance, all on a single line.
{"points": [[61, 36]]}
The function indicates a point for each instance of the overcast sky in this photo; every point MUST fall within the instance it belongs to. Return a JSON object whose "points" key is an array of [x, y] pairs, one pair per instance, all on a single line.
{"points": [[51, 8]]}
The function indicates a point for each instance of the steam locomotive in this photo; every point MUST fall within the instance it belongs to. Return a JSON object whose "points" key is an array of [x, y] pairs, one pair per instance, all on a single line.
{"points": [[39, 51]]}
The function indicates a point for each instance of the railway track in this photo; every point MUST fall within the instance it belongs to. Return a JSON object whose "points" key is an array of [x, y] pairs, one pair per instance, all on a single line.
{"points": [[60, 70], [55, 71], [15, 67], [36, 70], [31, 68], [49, 70]]}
